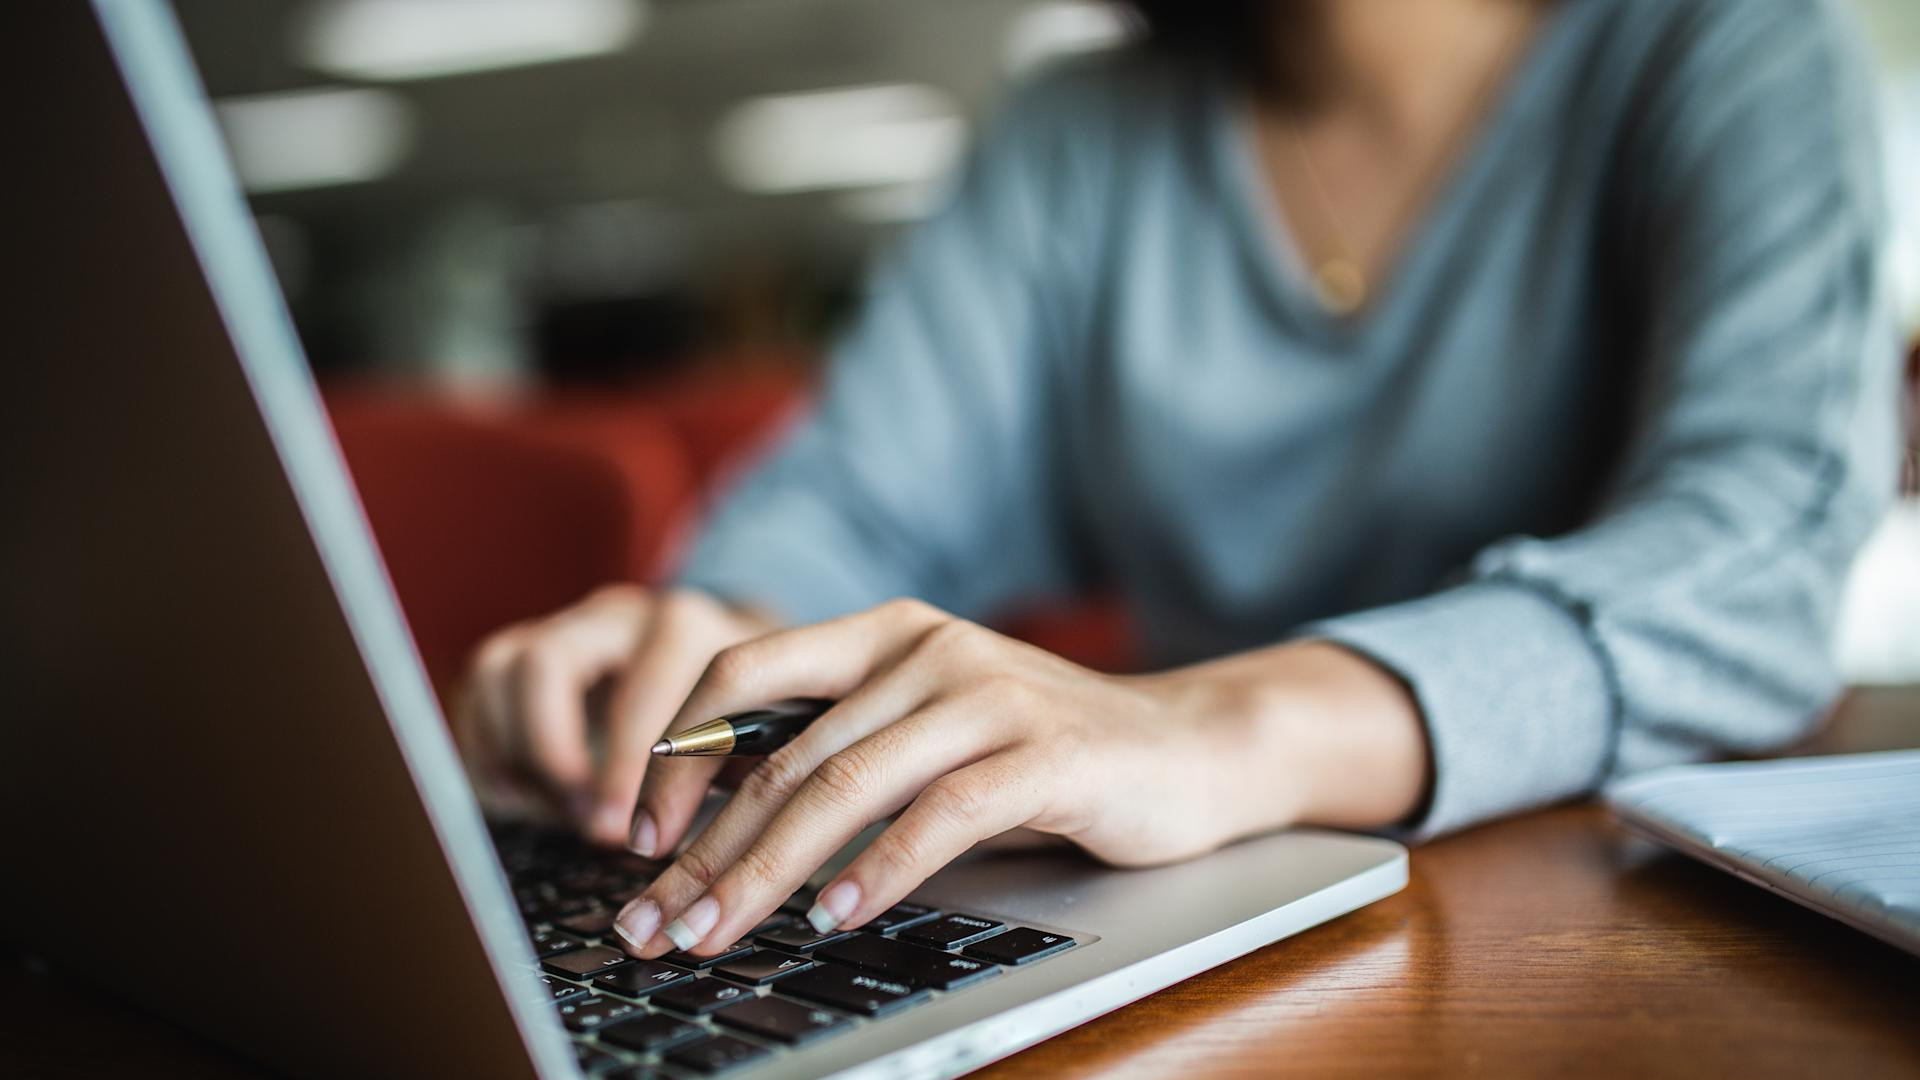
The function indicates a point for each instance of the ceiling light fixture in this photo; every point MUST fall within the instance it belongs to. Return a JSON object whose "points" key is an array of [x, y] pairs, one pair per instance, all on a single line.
{"points": [[1053, 29], [851, 137], [396, 40], [315, 138]]}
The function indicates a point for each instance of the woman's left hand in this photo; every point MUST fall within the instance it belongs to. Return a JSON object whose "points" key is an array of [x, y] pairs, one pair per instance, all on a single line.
{"points": [[965, 734]]}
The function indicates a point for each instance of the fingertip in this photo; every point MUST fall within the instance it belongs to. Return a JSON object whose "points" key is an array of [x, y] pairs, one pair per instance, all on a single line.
{"points": [[694, 923], [643, 836], [637, 925], [835, 906]]}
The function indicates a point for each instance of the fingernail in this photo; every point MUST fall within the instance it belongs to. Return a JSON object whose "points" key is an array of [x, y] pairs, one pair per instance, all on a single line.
{"points": [[643, 837], [636, 923], [694, 923], [833, 906]]}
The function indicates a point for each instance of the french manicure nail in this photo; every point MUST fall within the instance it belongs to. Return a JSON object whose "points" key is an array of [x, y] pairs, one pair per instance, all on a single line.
{"points": [[833, 906], [637, 922], [643, 837], [694, 923]]}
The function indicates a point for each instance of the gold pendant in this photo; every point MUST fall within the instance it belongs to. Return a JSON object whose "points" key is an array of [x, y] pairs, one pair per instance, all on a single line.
{"points": [[1342, 285]]}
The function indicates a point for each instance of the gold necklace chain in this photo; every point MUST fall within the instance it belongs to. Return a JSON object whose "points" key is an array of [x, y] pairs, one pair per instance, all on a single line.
{"points": [[1341, 280], [1338, 279]]}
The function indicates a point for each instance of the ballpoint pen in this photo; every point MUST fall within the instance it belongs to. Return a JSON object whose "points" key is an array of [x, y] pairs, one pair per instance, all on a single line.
{"points": [[754, 731]]}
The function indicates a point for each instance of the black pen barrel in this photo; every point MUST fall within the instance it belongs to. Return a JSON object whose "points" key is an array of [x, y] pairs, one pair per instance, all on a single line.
{"points": [[762, 731]]}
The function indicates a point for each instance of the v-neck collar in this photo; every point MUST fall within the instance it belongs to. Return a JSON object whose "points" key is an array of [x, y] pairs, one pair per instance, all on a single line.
{"points": [[1272, 247]]}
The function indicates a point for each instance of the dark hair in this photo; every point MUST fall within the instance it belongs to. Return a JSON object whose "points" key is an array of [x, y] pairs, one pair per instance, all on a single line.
{"points": [[1269, 46]]}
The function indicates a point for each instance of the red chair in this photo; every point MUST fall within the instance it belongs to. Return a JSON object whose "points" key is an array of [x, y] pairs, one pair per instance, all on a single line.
{"points": [[488, 512], [483, 520]]}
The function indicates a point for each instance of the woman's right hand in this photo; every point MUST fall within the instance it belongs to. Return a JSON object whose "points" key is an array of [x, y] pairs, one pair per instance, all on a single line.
{"points": [[523, 721]]}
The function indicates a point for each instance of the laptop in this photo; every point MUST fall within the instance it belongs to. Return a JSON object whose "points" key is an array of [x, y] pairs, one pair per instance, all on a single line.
{"points": [[231, 795]]}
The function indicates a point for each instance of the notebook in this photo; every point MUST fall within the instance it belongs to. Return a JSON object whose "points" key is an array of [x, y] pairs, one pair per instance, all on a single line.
{"points": [[1838, 834]]}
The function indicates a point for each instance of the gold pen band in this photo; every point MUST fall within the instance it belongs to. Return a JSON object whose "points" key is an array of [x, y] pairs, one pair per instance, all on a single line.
{"points": [[711, 739]]}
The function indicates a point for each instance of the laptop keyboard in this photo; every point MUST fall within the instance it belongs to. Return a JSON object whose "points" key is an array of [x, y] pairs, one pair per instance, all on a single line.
{"points": [[779, 987]]}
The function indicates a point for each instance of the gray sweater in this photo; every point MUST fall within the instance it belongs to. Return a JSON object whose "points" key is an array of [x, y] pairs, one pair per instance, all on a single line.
{"points": [[1587, 474]]}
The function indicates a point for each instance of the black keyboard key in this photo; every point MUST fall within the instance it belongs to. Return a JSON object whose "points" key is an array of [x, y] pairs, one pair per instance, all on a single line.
{"points": [[594, 1062], [701, 996], [899, 917], [851, 991], [583, 881], [762, 966], [552, 942], [798, 938], [597, 922], [780, 1021], [559, 909], [585, 963], [641, 978], [594, 1013], [557, 991], [618, 898], [651, 1032], [627, 864], [798, 903], [716, 1053], [1019, 945], [688, 960], [952, 931], [638, 1072], [907, 963]]}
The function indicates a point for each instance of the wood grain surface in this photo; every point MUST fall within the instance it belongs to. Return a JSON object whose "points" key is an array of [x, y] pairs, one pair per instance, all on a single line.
{"points": [[1553, 944]]}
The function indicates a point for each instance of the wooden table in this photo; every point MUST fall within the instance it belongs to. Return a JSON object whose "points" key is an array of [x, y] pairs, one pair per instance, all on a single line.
{"points": [[1552, 944]]}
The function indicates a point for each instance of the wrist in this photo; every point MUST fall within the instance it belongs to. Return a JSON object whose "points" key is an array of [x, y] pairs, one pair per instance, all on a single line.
{"points": [[1309, 732]]}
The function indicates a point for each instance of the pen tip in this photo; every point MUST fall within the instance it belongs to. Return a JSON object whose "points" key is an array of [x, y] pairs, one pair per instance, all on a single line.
{"points": [[664, 747]]}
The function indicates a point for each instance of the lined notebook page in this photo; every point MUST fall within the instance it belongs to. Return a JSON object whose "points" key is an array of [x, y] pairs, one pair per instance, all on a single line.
{"points": [[1840, 834]]}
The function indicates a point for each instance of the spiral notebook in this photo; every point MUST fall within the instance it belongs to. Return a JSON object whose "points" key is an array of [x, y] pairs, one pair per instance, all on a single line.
{"points": [[1838, 834]]}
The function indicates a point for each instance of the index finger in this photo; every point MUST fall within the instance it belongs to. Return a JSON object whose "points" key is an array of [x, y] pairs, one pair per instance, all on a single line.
{"points": [[858, 786], [826, 660]]}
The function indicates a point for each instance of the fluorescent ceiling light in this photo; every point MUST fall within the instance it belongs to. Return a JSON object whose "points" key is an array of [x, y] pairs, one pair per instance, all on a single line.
{"points": [[393, 40], [860, 136], [1056, 28], [314, 138]]}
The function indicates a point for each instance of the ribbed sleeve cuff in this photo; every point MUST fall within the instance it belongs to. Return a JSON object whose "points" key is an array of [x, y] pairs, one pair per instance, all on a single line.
{"points": [[783, 558], [1518, 701]]}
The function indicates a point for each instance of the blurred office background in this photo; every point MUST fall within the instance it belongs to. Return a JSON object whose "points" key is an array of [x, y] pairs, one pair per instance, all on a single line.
{"points": [[485, 190], [471, 196]]}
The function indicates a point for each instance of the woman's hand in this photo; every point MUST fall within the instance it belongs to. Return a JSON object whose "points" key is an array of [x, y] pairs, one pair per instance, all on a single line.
{"points": [[522, 724], [965, 734]]}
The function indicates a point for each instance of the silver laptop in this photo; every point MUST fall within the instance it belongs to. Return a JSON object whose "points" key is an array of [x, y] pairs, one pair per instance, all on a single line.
{"points": [[230, 793]]}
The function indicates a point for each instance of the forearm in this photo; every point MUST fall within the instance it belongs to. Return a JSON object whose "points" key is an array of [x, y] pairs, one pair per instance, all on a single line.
{"points": [[1309, 733]]}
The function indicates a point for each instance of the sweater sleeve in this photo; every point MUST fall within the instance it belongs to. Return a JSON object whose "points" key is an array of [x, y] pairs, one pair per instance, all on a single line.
{"points": [[1692, 615], [926, 468]]}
